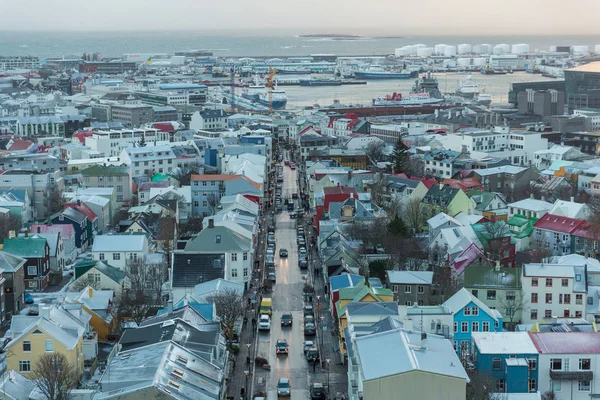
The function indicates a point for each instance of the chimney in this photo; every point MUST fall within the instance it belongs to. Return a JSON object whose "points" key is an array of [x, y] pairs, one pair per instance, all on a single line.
{"points": [[45, 312], [78, 202], [211, 223], [349, 175], [543, 198], [90, 292], [441, 186], [531, 196], [572, 199], [170, 305], [423, 340], [39, 229]]}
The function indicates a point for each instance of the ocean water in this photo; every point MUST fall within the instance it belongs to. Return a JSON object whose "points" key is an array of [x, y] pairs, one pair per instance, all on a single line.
{"points": [[115, 44]]}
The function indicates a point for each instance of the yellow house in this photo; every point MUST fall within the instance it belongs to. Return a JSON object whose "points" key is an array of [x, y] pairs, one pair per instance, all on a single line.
{"points": [[98, 304], [33, 337], [360, 293]]}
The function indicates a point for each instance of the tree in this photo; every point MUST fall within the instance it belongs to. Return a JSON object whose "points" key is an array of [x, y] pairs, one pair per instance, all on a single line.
{"points": [[375, 151], [133, 305], [56, 201], [510, 307], [397, 227], [54, 376], [494, 232], [84, 282], [213, 202], [228, 304], [401, 157], [183, 174], [9, 222], [549, 395], [146, 280], [414, 214], [191, 226], [481, 386], [445, 285], [370, 233], [166, 236], [377, 269]]}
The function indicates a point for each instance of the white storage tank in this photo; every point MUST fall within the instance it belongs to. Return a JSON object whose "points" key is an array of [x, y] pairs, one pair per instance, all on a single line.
{"points": [[464, 62], [419, 46], [597, 49], [464, 48], [521, 48], [439, 48], [399, 52], [480, 49], [449, 51], [480, 61], [425, 52], [580, 49], [501, 49]]}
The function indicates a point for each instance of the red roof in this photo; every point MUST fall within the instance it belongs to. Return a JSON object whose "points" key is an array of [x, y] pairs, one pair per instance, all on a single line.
{"points": [[465, 185], [20, 145], [465, 258], [164, 126], [81, 135], [84, 209], [65, 230], [587, 230], [556, 223], [428, 182], [566, 342]]}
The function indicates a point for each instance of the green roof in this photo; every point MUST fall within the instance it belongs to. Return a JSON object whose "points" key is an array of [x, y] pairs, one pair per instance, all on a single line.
{"points": [[113, 273], [487, 277], [523, 222], [481, 198], [27, 247], [101, 170], [160, 178], [358, 292]]}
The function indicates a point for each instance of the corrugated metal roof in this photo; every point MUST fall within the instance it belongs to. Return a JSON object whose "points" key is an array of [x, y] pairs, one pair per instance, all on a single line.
{"points": [[566, 342]]}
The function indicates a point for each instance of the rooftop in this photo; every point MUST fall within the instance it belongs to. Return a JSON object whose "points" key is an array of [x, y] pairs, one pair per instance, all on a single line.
{"points": [[117, 243], [566, 342], [410, 277], [504, 343], [590, 67]]}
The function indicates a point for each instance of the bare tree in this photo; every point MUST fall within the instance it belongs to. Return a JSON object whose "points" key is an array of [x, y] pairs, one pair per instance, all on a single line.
{"points": [[549, 395], [511, 306], [481, 386], [445, 285], [54, 376], [370, 233], [9, 222], [166, 236], [494, 232], [414, 214], [56, 201], [84, 282], [213, 202], [228, 304], [415, 166], [134, 306], [183, 174], [375, 151], [146, 279]]}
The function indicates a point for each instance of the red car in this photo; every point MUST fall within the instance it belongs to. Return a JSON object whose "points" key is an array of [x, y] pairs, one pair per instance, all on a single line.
{"points": [[286, 162], [292, 166]]}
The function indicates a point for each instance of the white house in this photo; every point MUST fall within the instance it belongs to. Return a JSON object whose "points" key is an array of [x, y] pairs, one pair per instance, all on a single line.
{"points": [[99, 276], [553, 290], [570, 209], [529, 208], [544, 158], [120, 250]]}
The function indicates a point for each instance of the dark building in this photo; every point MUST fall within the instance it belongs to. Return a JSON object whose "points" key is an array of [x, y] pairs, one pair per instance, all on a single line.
{"points": [[516, 88], [582, 86], [190, 268], [107, 67], [132, 114], [541, 102], [567, 123]]}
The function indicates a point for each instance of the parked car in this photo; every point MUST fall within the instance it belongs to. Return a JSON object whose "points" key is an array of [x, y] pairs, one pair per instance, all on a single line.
{"points": [[292, 166], [265, 323], [308, 344], [310, 329], [309, 318], [308, 310], [303, 264], [29, 298], [290, 206], [281, 347], [283, 253], [292, 215], [312, 354], [302, 253], [272, 277], [317, 391], [283, 387], [294, 195]]}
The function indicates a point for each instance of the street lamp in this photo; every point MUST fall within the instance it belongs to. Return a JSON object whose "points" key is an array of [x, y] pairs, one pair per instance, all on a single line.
{"points": [[322, 322], [246, 372], [328, 389], [249, 344]]}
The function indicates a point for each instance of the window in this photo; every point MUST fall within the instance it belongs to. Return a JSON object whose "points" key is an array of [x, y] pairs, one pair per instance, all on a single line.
{"points": [[510, 295], [24, 366], [408, 303], [475, 311], [245, 271], [500, 385], [407, 289], [585, 364], [578, 299], [116, 256], [578, 277], [234, 273], [534, 298], [205, 204], [455, 327], [556, 364], [395, 288], [548, 282], [548, 314], [233, 256], [583, 386], [532, 385], [467, 311], [590, 301], [26, 346], [485, 326], [534, 281], [245, 256], [32, 270], [496, 364], [101, 256], [475, 292], [119, 188], [548, 298], [567, 299], [577, 314], [420, 289], [474, 326], [564, 282], [49, 346], [464, 327], [491, 295], [532, 364], [533, 314], [556, 386]]}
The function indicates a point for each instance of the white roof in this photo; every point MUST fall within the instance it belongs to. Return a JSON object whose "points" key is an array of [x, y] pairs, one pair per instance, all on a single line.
{"points": [[399, 351], [441, 219], [116, 243], [503, 343], [410, 277], [505, 169], [593, 265], [531, 205], [556, 149], [467, 219], [94, 199], [549, 270], [569, 209], [184, 191], [463, 297]]}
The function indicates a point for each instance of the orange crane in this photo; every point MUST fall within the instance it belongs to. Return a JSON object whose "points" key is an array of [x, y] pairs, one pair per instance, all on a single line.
{"points": [[269, 85]]}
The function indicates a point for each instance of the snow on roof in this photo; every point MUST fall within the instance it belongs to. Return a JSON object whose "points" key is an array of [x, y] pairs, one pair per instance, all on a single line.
{"points": [[410, 277], [566, 342], [569, 209], [531, 204], [505, 169], [115, 243], [462, 298], [440, 219], [503, 343], [549, 270]]}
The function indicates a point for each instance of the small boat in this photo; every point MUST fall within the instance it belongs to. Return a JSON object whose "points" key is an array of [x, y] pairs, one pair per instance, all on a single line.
{"points": [[413, 99], [468, 88]]}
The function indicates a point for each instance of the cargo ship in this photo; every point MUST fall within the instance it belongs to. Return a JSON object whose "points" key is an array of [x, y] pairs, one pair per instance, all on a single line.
{"points": [[376, 111], [377, 72], [320, 82], [413, 99]]}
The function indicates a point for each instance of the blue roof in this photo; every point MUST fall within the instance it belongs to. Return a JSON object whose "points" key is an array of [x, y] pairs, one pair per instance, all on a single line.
{"points": [[375, 282], [204, 309], [345, 280], [180, 86]]}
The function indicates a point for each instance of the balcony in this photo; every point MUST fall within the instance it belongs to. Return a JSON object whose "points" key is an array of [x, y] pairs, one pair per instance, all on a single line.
{"points": [[572, 375]]}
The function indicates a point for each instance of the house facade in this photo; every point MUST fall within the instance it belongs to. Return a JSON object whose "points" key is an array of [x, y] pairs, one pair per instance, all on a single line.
{"points": [[13, 273], [36, 251], [411, 287], [120, 250], [118, 177]]}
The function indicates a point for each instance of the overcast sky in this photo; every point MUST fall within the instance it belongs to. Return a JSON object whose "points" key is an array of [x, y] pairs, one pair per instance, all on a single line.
{"points": [[263, 17]]}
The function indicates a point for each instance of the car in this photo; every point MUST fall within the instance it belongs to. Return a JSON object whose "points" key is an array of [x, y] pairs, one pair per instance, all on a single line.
{"points": [[309, 318], [281, 347], [264, 324], [308, 310], [308, 344], [292, 166], [317, 391], [283, 387], [294, 195], [290, 206], [286, 162], [283, 253], [28, 298], [303, 264], [302, 253], [292, 215], [312, 354], [302, 243], [272, 277], [286, 319], [310, 329], [270, 252]]}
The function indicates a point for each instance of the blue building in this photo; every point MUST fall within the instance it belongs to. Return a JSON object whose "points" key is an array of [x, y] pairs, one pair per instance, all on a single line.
{"points": [[207, 191], [470, 315], [510, 357]]}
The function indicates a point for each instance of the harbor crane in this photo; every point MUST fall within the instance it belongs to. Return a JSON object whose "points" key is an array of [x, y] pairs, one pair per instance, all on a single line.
{"points": [[269, 85]]}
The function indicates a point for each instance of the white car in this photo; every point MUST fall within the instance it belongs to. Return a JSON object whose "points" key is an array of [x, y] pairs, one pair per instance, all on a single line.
{"points": [[265, 323]]}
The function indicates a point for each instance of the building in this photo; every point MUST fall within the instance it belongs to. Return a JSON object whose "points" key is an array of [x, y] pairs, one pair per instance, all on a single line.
{"points": [[439, 163], [470, 315], [443, 198], [99, 305], [592, 114], [568, 363], [119, 251], [581, 86], [414, 364], [161, 159], [513, 182], [112, 142], [531, 208], [98, 275], [389, 133], [518, 87], [19, 62], [50, 125], [40, 188], [13, 275], [42, 162], [209, 120], [119, 177], [133, 115], [557, 233], [175, 94], [541, 103], [207, 191], [510, 357], [71, 216], [410, 287], [36, 251], [553, 290]]}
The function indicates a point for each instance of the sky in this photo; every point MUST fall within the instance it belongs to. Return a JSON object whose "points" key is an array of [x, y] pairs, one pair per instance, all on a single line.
{"points": [[264, 17]]}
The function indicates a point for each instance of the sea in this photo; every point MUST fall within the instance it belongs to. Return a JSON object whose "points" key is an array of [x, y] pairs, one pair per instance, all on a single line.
{"points": [[115, 44]]}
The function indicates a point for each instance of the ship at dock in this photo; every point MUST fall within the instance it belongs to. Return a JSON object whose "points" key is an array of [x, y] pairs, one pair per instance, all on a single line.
{"points": [[425, 91], [378, 72], [259, 94], [468, 88], [320, 82]]}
